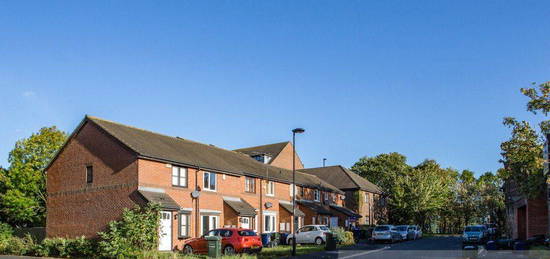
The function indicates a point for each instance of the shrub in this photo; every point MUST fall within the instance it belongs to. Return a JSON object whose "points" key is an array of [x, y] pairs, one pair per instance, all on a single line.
{"points": [[5, 230], [12, 245], [137, 231], [61, 247], [348, 238]]}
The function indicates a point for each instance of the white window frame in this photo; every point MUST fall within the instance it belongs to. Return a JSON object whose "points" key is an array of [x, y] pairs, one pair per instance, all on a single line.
{"points": [[249, 182], [177, 176], [210, 175], [367, 200], [317, 195], [184, 229], [210, 221], [290, 188], [270, 188], [272, 218]]}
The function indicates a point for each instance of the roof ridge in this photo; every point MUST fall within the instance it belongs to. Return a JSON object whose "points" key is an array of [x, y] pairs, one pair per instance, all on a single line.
{"points": [[272, 144], [168, 136], [350, 177], [303, 169]]}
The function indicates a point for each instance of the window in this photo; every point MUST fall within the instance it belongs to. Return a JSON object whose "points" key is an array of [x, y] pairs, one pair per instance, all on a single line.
{"points": [[292, 186], [179, 176], [270, 188], [209, 181], [246, 233], [317, 195], [302, 191], [269, 223], [249, 184], [89, 174], [183, 226], [326, 196], [367, 198], [209, 222]]}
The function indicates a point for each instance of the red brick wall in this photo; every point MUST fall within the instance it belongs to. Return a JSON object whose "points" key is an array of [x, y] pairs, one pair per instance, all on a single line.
{"points": [[75, 208], [284, 159], [537, 217]]}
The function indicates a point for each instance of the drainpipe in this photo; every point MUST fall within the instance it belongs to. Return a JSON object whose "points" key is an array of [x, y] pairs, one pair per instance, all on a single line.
{"points": [[261, 217], [197, 210]]}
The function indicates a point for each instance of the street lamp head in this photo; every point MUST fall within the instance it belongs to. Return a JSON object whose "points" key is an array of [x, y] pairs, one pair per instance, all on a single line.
{"points": [[298, 130]]}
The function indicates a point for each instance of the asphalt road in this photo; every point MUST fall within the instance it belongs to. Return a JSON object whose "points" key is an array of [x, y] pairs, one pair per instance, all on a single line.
{"points": [[426, 248]]}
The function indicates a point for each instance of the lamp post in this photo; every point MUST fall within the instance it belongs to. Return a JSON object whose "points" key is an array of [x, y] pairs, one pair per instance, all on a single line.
{"points": [[324, 159], [294, 225]]}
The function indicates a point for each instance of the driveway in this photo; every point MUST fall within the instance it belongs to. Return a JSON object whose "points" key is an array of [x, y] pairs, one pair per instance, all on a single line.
{"points": [[427, 248]]}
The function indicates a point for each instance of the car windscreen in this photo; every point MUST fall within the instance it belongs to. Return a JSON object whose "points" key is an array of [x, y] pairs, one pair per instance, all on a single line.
{"points": [[324, 228], [247, 233], [472, 229], [382, 228], [401, 228]]}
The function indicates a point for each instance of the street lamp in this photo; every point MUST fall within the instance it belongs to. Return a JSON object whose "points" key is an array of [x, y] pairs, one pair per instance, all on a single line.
{"points": [[294, 225]]}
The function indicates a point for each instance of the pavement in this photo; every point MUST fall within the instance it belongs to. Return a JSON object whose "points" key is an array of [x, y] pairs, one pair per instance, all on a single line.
{"points": [[425, 248]]}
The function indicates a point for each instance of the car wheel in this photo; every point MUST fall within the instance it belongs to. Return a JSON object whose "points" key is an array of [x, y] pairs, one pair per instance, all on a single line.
{"points": [[188, 249], [318, 241], [229, 250]]}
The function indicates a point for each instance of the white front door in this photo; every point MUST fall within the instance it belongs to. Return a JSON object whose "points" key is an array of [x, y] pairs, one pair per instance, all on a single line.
{"points": [[245, 222], [165, 231]]}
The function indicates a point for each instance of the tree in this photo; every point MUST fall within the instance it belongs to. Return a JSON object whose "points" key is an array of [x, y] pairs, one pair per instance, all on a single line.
{"points": [[23, 184], [522, 156], [539, 101], [468, 196], [492, 198], [383, 170]]}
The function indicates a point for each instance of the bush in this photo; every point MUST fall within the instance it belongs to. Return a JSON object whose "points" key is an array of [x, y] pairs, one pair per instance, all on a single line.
{"points": [[136, 232], [5, 230], [348, 238], [61, 247], [11, 245]]}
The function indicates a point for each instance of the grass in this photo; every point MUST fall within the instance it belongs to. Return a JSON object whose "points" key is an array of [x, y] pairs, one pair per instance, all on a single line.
{"points": [[267, 253]]}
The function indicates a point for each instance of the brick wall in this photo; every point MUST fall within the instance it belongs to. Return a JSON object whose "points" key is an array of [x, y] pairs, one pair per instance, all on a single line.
{"points": [[284, 159], [75, 208]]}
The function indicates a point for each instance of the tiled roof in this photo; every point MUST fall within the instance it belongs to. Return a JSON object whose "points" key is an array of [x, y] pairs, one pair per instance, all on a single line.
{"points": [[163, 199], [241, 207], [288, 207], [272, 150], [150, 145], [315, 206], [345, 211], [342, 178]]}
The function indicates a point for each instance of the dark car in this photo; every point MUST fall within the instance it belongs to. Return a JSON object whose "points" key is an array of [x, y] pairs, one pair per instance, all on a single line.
{"points": [[234, 240]]}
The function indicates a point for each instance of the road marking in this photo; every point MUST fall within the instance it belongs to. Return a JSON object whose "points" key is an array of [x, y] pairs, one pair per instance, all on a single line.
{"points": [[365, 253]]}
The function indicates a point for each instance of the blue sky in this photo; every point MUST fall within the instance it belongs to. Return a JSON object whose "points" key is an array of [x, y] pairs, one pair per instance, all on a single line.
{"points": [[430, 79]]}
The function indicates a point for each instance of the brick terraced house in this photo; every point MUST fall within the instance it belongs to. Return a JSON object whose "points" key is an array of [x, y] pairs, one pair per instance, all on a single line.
{"points": [[105, 167], [361, 196]]}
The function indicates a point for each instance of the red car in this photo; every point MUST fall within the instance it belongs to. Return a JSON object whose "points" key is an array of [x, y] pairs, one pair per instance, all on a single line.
{"points": [[234, 240]]}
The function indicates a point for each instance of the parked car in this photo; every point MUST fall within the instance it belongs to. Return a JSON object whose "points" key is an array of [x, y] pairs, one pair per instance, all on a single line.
{"points": [[386, 233], [415, 232], [403, 230], [474, 235], [234, 240], [491, 229], [310, 234]]}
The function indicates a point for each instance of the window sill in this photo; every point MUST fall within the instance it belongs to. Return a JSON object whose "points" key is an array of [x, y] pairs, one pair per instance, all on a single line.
{"points": [[270, 195], [180, 187], [208, 190], [183, 237]]}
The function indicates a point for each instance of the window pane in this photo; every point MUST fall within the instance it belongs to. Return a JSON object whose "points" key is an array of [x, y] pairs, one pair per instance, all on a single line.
{"points": [[206, 180], [213, 181], [205, 224]]}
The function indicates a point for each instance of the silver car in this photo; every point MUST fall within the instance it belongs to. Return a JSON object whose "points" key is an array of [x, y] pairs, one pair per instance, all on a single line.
{"points": [[403, 230], [387, 233]]}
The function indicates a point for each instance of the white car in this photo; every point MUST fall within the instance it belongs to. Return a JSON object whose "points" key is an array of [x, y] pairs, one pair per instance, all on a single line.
{"points": [[415, 232], [310, 234], [403, 230], [386, 233]]}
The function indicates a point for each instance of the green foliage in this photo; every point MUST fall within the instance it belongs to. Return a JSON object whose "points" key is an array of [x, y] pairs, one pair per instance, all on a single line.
{"points": [[11, 245], [540, 100], [137, 231], [61, 247], [5, 230], [522, 156], [23, 184], [343, 237]]}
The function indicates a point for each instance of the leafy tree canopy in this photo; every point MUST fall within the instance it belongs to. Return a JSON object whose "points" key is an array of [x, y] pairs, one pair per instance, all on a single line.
{"points": [[23, 184]]}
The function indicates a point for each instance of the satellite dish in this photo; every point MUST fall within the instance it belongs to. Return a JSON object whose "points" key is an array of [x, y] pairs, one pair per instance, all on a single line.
{"points": [[195, 194], [268, 204]]}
